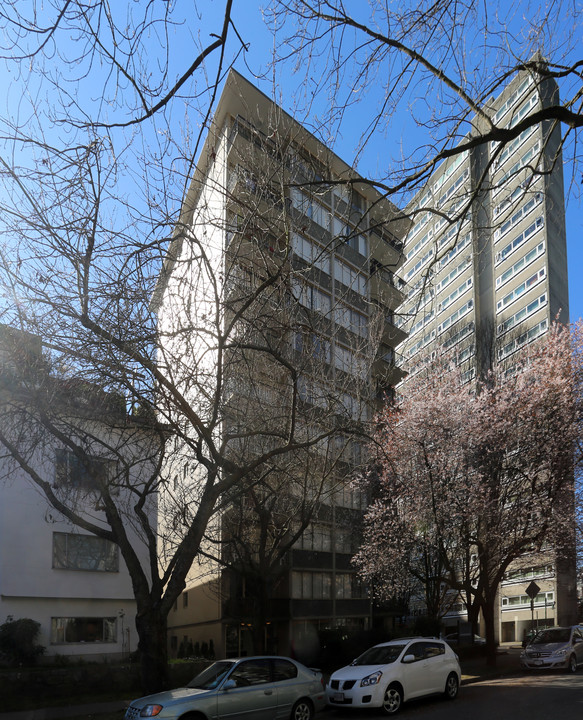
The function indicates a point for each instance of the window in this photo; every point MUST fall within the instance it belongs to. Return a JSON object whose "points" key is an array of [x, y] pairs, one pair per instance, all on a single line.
{"points": [[512, 99], [84, 552], [448, 239], [453, 274], [516, 194], [348, 586], [350, 277], [454, 252], [518, 216], [520, 289], [185, 599], [460, 312], [417, 650], [415, 249], [520, 239], [284, 670], [518, 266], [89, 474], [349, 235], [453, 296], [451, 167], [314, 346], [311, 585], [311, 297], [312, 253], [316, 537], [522, 314], [252, 672], [459, 336], [523, 574], [312, 392], [525, 338], [525, 160], [454, 186], [349, 362], [514, 145], [543, 598], [420, 264], [433, 649], [310, 207], [420, 324], [351, 319], [83, 630]]}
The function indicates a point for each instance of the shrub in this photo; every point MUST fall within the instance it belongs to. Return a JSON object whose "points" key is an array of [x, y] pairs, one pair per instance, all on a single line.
{"points": [[18, 641]]}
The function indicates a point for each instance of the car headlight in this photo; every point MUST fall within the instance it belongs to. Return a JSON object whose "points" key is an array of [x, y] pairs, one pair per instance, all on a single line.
{"points": [[561, 651], [371, 679], [150, 710]]}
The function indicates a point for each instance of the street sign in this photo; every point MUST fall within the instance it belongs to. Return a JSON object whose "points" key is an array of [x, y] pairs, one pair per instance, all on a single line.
{"points": [[532, 590]]}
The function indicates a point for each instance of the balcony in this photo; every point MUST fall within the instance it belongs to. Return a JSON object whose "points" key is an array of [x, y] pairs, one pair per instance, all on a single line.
{"points": [[386, 288], [385, 247], [387, 367]]}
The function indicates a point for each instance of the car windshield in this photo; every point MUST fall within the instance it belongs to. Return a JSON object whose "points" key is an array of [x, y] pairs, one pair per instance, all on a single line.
{"points": [[553, 635], [379, 655], [211, 677]]}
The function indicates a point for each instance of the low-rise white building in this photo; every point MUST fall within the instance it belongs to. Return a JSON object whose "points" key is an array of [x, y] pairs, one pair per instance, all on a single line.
{"points": [[63, 576]]}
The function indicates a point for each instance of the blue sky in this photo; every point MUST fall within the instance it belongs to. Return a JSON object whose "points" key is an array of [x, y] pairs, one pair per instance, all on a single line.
{"points": [[291, 89], [249, 23]]}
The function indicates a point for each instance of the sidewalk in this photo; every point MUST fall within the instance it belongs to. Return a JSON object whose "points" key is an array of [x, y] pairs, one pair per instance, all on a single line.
{"points": [[61, 713], [507, 663]]}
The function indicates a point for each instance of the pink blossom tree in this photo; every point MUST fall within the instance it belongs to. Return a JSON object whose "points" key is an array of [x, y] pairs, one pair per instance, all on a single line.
{"points": [[475, 475]]}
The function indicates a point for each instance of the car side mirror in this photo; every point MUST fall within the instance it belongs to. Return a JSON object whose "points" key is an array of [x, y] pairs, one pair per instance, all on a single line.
{"points": [[409, 658], [229, 685]]}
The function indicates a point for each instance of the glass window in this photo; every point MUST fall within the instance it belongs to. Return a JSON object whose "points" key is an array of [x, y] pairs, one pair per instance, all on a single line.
{"points": [[83, 630], [89, 473], [284, 670], [252, 672], [416, 649], [84, 552], [311, 585], [433, 649]]}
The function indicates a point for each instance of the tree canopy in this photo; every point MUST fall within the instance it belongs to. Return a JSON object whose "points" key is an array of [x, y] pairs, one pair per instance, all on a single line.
{"points": [[475, 477]]}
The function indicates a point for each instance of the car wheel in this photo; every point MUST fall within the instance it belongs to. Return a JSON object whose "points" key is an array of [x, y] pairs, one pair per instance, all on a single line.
{"points": [[452, 686], [572, 664], [392, 700], [302, 710]]}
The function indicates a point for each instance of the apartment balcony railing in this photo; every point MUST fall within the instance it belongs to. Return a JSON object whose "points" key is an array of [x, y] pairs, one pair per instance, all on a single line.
{"points": [[386, 289]]}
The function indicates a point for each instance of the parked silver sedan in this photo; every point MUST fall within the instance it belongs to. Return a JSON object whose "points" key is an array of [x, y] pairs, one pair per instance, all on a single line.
{"points": [[254, 688], [554, 648]]}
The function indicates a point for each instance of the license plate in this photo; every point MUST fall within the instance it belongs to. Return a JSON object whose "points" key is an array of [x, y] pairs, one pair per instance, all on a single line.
{"points": [[338, 697], [538, 662]]}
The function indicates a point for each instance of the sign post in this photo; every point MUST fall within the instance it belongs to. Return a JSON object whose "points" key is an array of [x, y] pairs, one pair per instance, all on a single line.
{"points": [[532, 591]]}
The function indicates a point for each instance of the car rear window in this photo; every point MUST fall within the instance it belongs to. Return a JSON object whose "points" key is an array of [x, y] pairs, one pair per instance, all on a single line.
{"points": [[252, 672], [284, 670]]}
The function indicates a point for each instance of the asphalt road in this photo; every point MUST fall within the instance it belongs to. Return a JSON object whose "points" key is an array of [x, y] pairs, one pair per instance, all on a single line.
{"points": [[549, 696]]}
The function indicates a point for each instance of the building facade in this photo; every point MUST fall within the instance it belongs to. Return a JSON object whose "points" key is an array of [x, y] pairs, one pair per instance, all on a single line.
{"points": [[486, 269], [70, 581], [305, 260]]}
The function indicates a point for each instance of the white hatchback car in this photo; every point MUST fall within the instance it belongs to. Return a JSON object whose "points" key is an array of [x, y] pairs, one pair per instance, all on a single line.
{"points": [[391, 673]]}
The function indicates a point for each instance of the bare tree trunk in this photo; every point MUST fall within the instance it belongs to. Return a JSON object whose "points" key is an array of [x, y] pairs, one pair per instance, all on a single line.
{"points": [[488, 613], [152, 647]]}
